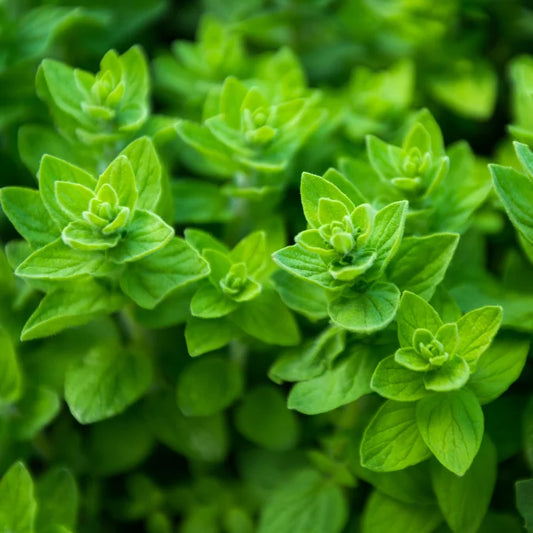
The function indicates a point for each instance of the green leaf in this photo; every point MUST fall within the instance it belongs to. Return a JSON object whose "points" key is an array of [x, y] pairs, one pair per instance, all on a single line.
{"points": [[252, 252], [524, 497], [69, 306], [476, 331], [58, 497], [262, 417], [119, 175], [105, 382], [59, 261], [266, 318], [37, 408], [299, 295], [451, 424], [306, 265], [312, 189], [395, 382], [147, 169], [366, 312], [17, 502], [345, 381], [203, 335], [208, 386], [25, 209], [381, 511], [387, 232], [453, 374], [305, 503], [210, 302], [415, 313], [146, 234], [73, 198], [498, 368], [11, 377], [199, 438], [421, 262], [379, 156], [151, 279], [392, 440], [516, 193], [464, 501], [53, 169]]}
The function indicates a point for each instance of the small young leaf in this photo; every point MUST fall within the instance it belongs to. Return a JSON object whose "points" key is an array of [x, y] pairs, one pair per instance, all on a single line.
{"points": [[208, 386], [414, 313], [451, 424], [392, 440], [146, 234], [105, 382], [119, 175], [210, 302]]}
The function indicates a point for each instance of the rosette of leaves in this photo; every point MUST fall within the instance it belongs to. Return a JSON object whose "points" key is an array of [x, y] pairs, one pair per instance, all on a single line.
{"points": [[443, 188], [193, 69], [236, 298], [435, 384], [90, 241], [349, 250], [515, 190], [249, 136]]}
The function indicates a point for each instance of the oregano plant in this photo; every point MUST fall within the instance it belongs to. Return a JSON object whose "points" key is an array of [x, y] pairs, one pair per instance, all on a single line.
{"points": [[266, 267]]}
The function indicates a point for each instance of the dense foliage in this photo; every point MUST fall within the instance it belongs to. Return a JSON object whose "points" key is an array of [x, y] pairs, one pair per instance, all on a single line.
{"points": [[267, 266]]}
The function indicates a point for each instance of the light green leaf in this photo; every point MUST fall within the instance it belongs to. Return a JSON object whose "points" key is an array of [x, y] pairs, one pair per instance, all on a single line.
{"points": [[151, 279], [73, 198], [451, 424], [366, 312], [58, 497], [146, 234], [79, 235], [10, 377], [263, 418], [69, 306], [252, 252], [203, 335], [394, 381], [453, 374], [208, 386], [415, 313], [331, 211], [476, 331], [392, 440], [147, 169], [17, 502], [305, 503], [379, 157], [306, 265], [464, 501], [312, 189], [105, 382], [498, 368], [25, 209], [421, 262], [266, 318], [387, 232], [306, 298], [381, 511], [516, 193], [59, 261], [345, 381], [119, 175], [210, 302], [53, 169]]}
